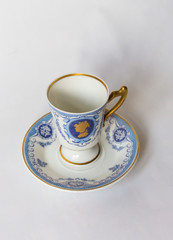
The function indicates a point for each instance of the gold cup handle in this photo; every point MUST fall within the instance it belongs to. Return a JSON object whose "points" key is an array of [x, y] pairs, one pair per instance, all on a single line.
{"points": [[123, 93]]}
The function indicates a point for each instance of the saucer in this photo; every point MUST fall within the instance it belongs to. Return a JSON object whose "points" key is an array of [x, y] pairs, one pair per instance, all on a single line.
{"points": [[119, 148]]}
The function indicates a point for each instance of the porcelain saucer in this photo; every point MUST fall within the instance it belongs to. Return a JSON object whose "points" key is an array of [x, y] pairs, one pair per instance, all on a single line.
{"points": [[119, 148]]}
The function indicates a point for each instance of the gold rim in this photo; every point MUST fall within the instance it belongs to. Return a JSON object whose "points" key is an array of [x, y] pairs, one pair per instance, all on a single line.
{"points": [[85, 163], [135, 159], [77, 74]]}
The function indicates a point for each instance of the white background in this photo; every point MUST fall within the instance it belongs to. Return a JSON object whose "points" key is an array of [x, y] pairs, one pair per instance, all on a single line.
{"points": [[125, 42]]}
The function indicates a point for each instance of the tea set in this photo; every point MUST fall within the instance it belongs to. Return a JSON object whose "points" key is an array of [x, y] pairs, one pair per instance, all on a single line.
{"points": [[80, 145]]}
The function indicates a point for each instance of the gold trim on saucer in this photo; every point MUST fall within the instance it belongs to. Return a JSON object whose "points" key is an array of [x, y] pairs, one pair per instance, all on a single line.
{"points": [[85, 163], [128, 170]]}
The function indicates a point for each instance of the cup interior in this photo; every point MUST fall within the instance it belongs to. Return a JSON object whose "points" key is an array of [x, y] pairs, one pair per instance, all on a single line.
{"points": [[77, 93]]}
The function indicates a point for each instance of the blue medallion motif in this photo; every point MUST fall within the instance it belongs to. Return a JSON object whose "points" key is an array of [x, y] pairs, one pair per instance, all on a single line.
{"points": [[45, 131], [81, 128], [81, 131], [120, 134], [117, 135]]}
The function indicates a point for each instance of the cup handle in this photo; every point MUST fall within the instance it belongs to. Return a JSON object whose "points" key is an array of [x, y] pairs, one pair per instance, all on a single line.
{"points": [[123, 93]]}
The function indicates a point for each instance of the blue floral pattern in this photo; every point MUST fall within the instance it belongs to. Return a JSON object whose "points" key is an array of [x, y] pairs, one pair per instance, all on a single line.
{"points": [[65, 123], [41, 163], [118, 135], [44, 130]]}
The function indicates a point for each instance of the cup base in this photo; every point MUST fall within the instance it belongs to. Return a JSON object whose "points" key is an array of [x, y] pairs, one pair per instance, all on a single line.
{"points": [[80, 157]]}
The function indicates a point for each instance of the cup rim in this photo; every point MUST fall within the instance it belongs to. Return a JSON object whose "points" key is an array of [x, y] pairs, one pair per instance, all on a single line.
{"points": [[78, 74]]}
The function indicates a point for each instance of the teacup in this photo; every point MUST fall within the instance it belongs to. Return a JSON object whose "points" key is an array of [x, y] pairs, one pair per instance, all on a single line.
{"points": [[77, 103]]}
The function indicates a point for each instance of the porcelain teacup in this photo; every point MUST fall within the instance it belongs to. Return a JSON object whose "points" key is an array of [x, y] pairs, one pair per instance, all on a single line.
{"points": [[77, 103]]}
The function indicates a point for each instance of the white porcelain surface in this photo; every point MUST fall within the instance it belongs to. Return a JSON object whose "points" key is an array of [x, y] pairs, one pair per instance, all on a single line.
{"points": [[82, 156], [77, 94]]}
